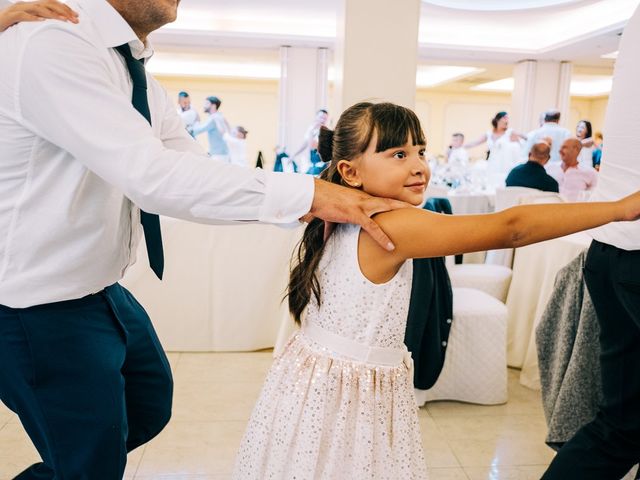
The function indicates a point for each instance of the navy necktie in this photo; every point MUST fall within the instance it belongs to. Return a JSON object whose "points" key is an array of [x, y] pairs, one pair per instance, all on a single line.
{"points": [[150, 222]]}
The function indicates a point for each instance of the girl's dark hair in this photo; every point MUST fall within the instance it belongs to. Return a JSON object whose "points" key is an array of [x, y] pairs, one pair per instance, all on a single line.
{"points": [[496, 119], [587, 124], [394, 126]]}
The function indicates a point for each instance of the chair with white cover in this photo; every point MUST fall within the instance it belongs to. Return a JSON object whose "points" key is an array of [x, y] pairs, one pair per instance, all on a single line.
{"points": [[507, 197], [475, 367], [494, 280]]}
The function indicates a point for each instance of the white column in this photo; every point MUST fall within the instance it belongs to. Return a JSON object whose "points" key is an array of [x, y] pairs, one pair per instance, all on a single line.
{"points": [[303, 91], [376, 52], [539, 86]]}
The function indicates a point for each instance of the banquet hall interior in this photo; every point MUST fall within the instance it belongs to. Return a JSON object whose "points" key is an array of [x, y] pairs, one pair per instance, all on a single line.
{"points": [[272, 72]]}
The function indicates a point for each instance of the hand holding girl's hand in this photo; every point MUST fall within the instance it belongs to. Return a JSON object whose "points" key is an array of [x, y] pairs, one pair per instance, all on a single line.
{"points": [[36, 11], [630, 207]]}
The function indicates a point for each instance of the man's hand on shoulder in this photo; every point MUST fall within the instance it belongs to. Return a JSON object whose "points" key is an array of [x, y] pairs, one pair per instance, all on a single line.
{"points": [[36, 11], [337, 204]]}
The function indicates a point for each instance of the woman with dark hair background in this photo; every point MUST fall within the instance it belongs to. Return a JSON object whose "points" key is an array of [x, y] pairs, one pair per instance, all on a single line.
{"points": [[584, 133], [504, 145]]}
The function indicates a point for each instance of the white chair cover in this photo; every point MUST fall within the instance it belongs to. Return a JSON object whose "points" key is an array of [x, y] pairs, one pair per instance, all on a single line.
{"points": [[475, 368], [492, 279]]}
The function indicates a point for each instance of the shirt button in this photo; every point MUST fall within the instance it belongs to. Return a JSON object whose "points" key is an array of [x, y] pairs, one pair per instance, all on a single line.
{"points": [[444, 344]]}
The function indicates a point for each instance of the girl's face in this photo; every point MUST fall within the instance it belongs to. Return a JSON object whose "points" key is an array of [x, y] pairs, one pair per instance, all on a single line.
{"points": [[581, 130], [503, 123], [401, 173]]}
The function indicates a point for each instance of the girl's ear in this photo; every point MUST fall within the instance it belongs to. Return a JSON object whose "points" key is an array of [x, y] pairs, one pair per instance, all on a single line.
{"points": [[349, 173]]}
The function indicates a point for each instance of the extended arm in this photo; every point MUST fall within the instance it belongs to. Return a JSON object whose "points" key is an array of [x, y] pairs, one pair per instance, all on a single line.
{"points": [[477, 142], [419, 233]]}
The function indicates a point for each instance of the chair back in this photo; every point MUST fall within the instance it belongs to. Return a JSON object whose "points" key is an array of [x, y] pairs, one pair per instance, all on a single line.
{"points": [[510, 196]]}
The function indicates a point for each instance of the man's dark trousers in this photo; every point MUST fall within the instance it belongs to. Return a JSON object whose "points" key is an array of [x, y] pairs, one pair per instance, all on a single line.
{"points": [[88, 379], [609, 446]]}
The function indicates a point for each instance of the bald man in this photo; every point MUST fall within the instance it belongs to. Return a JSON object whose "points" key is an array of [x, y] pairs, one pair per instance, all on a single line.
{"points": [[532, 173], [572, 177]]}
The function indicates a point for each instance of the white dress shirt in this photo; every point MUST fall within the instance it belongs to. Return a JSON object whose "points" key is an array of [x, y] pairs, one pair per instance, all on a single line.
{"points": [[620, 169], [552, 130], [76, 161]]}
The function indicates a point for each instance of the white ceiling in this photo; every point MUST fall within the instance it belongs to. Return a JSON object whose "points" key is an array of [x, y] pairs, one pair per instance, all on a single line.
{"points": [[472, 33], [574, 30]]}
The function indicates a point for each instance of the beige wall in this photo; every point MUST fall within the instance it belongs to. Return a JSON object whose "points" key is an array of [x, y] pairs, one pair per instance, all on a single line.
{"points": [[254, 105]]}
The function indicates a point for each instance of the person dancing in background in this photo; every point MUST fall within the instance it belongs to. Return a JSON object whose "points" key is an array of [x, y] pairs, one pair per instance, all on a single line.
{"points": [[503, 143], [307, 157], [338, 402], [584, 133]]}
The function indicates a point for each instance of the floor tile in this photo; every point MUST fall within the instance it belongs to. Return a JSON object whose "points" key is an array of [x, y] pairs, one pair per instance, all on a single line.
{"points": [[501, 452], [506, 473], [224, 367], [206, 402], [447, 474], [192, 448]]}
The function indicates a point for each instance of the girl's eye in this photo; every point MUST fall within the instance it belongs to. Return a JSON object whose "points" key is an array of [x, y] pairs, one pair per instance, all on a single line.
{"points": [[422, 153], [399, 155]]}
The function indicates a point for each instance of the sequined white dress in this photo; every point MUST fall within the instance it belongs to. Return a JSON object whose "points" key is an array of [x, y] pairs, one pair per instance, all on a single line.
{"points": [[338, 403]]}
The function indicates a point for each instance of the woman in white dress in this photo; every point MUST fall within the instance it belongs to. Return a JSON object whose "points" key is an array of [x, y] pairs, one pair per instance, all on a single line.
{"points": [[504, 145], [584, 133], [338, 403]]}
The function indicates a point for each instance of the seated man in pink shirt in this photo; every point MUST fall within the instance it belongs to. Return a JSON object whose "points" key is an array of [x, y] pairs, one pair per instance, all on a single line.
{"points": [[572, 177]]}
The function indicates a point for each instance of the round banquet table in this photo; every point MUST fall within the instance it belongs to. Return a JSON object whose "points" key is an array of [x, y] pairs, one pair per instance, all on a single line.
{"points": [[223, 285], [534, 271]]}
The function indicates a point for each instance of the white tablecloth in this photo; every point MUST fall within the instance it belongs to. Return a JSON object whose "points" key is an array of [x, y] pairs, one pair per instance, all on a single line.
{"points": [[464, 202], [467, 203], [222, 286], [534, 271]]}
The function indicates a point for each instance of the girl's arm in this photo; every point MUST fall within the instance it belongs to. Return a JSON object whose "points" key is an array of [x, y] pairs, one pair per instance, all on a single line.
{"points": [[418, 233], [477, 142], [34, 11], [587, 142], [517, 136]]}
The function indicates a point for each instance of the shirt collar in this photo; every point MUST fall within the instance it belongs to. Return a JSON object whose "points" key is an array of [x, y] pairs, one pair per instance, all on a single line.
{"points": [[114, 29]]}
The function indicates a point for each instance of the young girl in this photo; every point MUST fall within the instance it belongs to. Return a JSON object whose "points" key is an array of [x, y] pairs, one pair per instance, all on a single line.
{"points": [[338, 402]]}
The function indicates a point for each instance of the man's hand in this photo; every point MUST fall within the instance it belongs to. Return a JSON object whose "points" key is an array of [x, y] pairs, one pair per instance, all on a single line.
{"points": [[335, 204], [35, 11]]}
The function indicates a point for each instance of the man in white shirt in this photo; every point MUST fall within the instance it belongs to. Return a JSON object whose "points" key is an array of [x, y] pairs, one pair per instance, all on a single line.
{"points": [[609, 446], [81, 364], [553, 131], [574, 179], [186, 111]]}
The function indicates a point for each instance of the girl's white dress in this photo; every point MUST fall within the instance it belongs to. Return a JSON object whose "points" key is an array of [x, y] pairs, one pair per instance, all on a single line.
{"points": [[338, 403]]}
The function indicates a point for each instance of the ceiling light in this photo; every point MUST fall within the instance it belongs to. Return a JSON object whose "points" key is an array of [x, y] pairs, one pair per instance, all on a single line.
{"points": [[497, 5], [167, 64], [581, 85], [612, 55], [434, 75], [591, 85], [503, 85]]}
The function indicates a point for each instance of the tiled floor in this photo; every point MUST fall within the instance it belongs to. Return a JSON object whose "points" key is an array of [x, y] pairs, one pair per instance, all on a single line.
{"points": [[214, 395]]}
